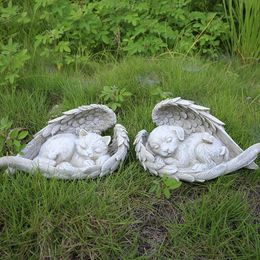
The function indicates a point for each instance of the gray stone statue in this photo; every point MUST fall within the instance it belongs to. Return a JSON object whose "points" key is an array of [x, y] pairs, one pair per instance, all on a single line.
{"points": [[190, 144], [71, 146]]}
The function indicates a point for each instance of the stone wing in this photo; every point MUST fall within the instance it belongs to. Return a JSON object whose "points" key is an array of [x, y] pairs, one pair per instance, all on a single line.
{"points": [[194, 118], [118, 150], [146, 158], [93, 118]]}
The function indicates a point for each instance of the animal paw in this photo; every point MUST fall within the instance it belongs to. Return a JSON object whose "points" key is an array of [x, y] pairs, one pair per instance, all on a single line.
{"points": [[88, 163], [170, 161], [44, 161], [168, 169], [65, 166], [199, 167]]}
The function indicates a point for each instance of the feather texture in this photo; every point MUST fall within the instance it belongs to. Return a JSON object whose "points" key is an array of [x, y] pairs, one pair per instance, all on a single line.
{"points": [[192, 118], [92, 118]]}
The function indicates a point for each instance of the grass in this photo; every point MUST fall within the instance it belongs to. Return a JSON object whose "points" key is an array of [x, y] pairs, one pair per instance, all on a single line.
{"points": [[244, 28], [116, 217]]}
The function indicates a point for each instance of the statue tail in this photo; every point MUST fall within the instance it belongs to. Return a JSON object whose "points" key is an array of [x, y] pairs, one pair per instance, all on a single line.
{"points": [[243, 160], [27, 165], [17, 162]]}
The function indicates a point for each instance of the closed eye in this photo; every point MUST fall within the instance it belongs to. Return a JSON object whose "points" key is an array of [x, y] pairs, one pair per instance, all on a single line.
{"points": [[169, 139], [98, 150], [156, 146]]}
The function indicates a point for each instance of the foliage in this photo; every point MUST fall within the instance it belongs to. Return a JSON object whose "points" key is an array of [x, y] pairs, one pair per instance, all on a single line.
{"points": [[13, 55], [114, 97], [72, 32], [206, 5], [12, 60], [159, 94], [116, 216], [243, 17], [164, 186], [11, 140]]}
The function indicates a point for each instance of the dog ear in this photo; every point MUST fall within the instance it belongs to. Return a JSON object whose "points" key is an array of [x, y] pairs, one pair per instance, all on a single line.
{"points": [[106, 139], [180, 132]]}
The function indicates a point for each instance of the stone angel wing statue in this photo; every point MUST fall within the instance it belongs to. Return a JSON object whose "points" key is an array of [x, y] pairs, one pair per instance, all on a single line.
{"points": [[71, 146], [190, 144]]}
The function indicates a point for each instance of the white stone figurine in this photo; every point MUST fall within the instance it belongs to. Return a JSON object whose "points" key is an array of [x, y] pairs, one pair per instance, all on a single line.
{"points": [[71, 147], [68, 150], [198, 151], [190, 144]]}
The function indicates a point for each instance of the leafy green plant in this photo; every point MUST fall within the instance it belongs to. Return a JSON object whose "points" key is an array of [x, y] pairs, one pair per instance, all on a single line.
{"points": [[12, 61], [164, 186], [69, 33], [14, 21], [159, 94], [5, 125], [206, 5], [11, 140], [243, 18], [114, 97]]}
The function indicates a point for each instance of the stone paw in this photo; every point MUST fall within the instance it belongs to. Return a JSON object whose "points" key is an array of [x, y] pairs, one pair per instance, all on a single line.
{"points": [[65, 166]]}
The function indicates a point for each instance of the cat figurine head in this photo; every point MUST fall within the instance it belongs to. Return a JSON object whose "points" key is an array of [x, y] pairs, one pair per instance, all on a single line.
{"points": [[91, 145], [164, 140]]}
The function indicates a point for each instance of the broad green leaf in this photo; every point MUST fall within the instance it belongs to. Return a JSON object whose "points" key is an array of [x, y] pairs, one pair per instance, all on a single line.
{"points": [[105, 39], [171, 183], [23, 134], [22, 146], [14, 133], [16, 143]]}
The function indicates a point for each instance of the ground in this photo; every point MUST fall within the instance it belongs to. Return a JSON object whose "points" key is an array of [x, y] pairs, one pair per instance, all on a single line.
{"points": [[116, 217]]}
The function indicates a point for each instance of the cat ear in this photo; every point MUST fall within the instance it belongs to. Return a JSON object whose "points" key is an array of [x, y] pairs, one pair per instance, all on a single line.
{"points": [[107, 139], [180, 132], [82, 132]]}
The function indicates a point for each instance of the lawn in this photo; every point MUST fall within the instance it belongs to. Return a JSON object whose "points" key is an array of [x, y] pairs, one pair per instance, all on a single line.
{"points": [[116, 217]]}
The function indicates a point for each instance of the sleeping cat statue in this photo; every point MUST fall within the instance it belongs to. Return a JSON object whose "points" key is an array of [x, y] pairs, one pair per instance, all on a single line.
{"points": [[69, 151], [198, 151]]}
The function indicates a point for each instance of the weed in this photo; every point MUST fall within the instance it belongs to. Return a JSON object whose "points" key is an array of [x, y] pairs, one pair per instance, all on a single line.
{"points": [[11, 139], [114, 97], [12, 61], [159, 94], [164, 186]]}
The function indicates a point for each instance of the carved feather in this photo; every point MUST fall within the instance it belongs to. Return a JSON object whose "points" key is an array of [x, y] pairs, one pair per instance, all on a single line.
{"points": [[194, 119], [120, 147], [92, 118], [146, 158]]}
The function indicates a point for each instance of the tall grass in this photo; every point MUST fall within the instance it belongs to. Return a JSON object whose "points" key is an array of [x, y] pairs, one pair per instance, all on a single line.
{"points": [[243, 17], [117, 217]]}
